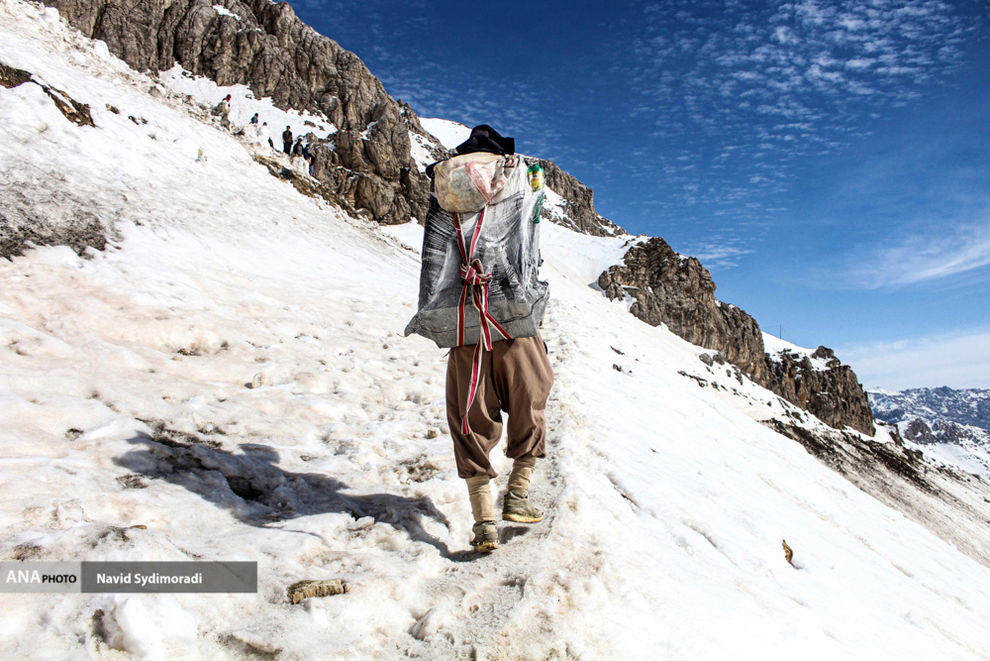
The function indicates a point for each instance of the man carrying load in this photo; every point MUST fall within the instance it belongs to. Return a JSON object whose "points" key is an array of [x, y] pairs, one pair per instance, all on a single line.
{"points": [[480, 295]]}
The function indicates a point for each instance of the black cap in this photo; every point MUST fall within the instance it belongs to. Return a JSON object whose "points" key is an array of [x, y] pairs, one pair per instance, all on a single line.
{"points": [[485, 138]]}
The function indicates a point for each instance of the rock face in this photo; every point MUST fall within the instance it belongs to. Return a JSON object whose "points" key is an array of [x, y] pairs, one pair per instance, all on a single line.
{"points": [[833, 394], [579, 202], [265, 46], [679, 292]]}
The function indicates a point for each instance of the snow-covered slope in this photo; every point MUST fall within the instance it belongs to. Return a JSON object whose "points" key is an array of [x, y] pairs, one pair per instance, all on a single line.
{"points": [[450, 134], [228, 381]]}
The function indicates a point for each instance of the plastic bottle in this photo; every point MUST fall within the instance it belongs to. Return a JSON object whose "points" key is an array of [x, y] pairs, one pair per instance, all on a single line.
{"points": [[535, 174]]}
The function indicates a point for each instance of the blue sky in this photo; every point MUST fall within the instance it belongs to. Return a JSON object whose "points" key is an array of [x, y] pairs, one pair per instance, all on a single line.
{"points": [[829, 162]]}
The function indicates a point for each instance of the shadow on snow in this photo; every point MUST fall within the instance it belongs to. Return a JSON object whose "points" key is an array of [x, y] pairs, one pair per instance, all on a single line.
{"points": [[255, 490]]}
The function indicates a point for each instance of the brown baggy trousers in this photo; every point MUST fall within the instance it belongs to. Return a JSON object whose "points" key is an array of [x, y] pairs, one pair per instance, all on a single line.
{"points": [[516, 378]]}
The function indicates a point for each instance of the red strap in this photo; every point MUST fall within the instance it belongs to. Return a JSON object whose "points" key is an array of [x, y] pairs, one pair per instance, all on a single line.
{"points": [[476, 282]]}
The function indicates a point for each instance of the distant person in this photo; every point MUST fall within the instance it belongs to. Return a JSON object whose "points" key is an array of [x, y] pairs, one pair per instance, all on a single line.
{"points": [[287, 140], [254, 118], [265, 133], [298, 155], [308, 155], [222, 110]]}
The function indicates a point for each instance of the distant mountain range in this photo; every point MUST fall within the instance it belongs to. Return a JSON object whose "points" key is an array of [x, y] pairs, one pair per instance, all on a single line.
{"points": [[940, 416], [969, 407]]}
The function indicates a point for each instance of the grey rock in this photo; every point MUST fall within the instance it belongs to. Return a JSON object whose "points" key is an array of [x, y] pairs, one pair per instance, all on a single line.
{"points": [[834, 394], [679, 293], [918, 431]]}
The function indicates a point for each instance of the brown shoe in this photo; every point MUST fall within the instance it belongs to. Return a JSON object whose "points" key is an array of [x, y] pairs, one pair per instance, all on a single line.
{"points": [[485, 536], [516, 507]]}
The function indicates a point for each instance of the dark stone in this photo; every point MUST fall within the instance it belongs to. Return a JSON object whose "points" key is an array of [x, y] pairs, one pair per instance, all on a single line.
{"points": [[11, 77], [679, 293], [833, 394]]}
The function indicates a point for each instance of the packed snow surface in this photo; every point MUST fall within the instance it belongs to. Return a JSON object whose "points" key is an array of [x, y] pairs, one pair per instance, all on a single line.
{"points": [[228, 381], [450, 134]]}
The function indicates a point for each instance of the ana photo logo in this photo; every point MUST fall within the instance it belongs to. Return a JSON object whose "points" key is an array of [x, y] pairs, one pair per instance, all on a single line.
{"points": [[34, 576], [41, 576]]}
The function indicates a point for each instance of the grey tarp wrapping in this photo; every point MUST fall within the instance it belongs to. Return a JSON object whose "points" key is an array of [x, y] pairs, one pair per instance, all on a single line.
{"points": [[509, 250]]}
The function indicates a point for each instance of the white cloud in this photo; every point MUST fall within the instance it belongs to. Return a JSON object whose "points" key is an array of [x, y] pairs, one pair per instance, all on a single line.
{"points": [[925, 257], [956, 360], [718, 255]]}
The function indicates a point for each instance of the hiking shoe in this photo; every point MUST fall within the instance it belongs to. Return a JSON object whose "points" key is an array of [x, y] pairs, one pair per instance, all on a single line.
{"points": [[485, 536], [516, 507]]}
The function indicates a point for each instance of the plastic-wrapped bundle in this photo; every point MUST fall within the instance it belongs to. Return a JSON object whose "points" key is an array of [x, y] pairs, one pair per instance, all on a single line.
{"points": [[508, 249]]}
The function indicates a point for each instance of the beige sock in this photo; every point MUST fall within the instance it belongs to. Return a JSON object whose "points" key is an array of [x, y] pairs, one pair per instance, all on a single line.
{"points": [[481, 498], [522, 470]]}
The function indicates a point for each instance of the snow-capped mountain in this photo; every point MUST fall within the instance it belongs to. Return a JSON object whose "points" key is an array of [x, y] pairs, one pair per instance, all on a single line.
{"points": [[952, 426], [970, 407], [226, 379]]}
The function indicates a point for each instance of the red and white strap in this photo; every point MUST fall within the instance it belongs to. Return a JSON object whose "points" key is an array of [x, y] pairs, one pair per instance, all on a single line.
{"points": [[476, 282]]}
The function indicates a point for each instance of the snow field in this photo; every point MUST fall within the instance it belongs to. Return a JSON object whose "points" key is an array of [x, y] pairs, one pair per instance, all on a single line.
{"points": [[228, 381]]}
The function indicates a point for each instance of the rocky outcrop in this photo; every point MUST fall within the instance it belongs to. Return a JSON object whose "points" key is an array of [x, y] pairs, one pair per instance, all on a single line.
{"points": [[679, 292], [265, 46], [74, 111], [361, 166], [918, 431], [833, 394], [579, 203]]}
